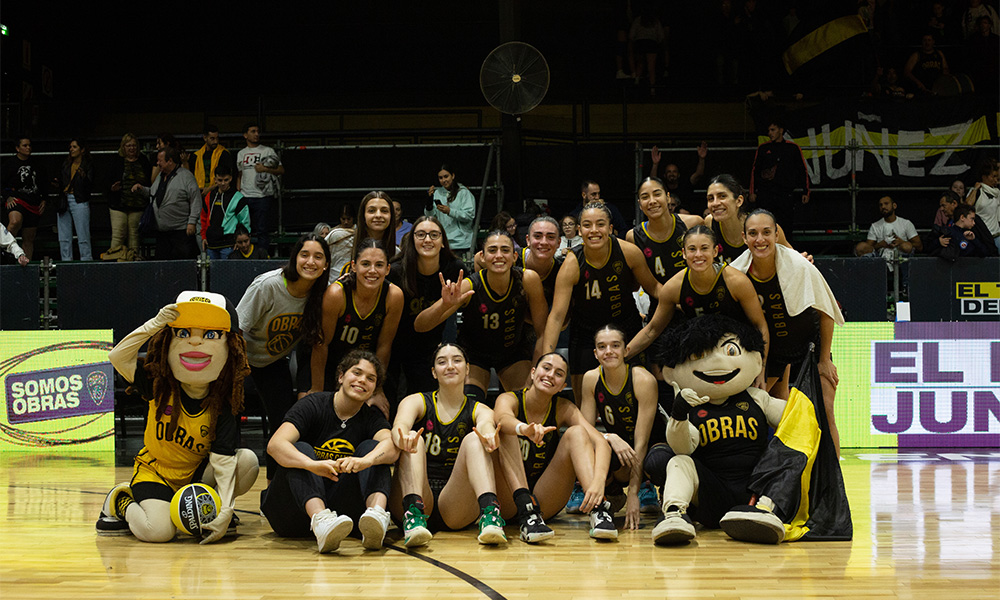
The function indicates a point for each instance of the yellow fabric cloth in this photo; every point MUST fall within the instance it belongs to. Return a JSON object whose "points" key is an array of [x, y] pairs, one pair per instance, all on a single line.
{"points": [[199, 165]]}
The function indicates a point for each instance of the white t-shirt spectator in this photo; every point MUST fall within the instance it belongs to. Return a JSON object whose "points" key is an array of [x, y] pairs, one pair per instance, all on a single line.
{"points": [[901, 228], [252, 183]]}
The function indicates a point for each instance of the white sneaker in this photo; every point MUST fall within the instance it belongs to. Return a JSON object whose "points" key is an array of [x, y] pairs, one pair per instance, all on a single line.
{"points": [[330, 529], [675, 528], [373, 525], [602, 526]]}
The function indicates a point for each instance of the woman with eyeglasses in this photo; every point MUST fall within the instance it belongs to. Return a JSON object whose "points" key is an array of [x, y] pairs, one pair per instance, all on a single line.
{"points": [[422, 261]]}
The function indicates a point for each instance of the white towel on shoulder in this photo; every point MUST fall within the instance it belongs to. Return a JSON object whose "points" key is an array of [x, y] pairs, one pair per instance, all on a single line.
{"points": [[802, 285]]}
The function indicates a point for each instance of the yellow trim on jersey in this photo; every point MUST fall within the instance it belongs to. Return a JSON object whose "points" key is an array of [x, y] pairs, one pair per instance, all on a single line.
{"points": [[628, 373], [611, 248], [374, 306], [524, 407], [486, 286], [722, 232], [754, 277], [434, 400], [718, 274], [524, 263], [673, 227]]}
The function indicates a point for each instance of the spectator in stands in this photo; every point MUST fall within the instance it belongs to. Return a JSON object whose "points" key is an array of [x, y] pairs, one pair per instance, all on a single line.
{"points": [[889, 233], [503, 221], [926, 65], [206, 158], [986, 198], [9, 244], [177, 206], [223, 210], [943, 24], [682, 188], [946, 208], [162, 141], [887, 86], [590, 191], [647, 37], [346, 218], [402, 225], [962, 236], [22, 179], [455, 207], [570, 236], [779, 170], [623, 17], [341, 239], [984, 57], [258, 168], [75, 182], [244, 248], [971, 16], [322, 229], [724, 44], [128, 168], [958, 186]]}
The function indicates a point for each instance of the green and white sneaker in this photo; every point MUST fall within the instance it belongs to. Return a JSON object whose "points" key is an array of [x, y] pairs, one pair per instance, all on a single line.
{"points": [[415, 532], [491, 526]]}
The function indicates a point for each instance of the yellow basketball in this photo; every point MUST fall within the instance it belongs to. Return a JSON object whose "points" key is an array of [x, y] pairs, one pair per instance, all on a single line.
{"points": [[193, 506]]}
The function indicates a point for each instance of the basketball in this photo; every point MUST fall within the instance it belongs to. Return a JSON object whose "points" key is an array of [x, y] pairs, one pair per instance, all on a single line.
{"points": [[192, 506]]}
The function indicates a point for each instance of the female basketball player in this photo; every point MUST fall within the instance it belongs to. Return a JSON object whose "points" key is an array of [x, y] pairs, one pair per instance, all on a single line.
{"points": [[598, 278], [425, 257], [703, 287], [798, 303], [192, 378], [376, 220], [624, 397], [497, 300], [539, 255], [445, 439], [361, 311], [536, 459], [727, 211]]}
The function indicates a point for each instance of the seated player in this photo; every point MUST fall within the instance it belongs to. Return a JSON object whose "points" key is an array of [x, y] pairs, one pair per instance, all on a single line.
{"points": [[717, 430], [444, 465], [333, 452], [536, 459], [624, 397], [192, 378]]}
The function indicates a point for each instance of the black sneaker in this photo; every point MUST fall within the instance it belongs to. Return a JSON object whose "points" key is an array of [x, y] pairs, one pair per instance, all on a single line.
{"points": [[109, 526], [534, 529], [602, 526]]}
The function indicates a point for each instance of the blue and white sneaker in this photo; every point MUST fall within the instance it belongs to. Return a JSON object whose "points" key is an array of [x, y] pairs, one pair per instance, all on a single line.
{"points": [[575, 500]]}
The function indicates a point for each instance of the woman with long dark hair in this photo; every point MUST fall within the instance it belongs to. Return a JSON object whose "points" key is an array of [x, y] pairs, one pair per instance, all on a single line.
{"points": [[455, 207], [75, 184], [425, 260], [279, 308], [360, 311], [727, 210]]}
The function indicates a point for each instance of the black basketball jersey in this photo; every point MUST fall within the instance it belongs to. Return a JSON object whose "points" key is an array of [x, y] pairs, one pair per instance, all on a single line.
{"points": [[618, 409], [357, 331], [717, 300], [733, 436], [441, 439], [663, 257], [729, 252], [493, 322], [549, 281], [788, 336], [604, 295], [536, 458]]}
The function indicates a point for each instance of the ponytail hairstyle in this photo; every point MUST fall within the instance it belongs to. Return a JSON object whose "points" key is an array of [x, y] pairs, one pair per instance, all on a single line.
{"points": [[735, 188], [350, 279], [516, 274]]}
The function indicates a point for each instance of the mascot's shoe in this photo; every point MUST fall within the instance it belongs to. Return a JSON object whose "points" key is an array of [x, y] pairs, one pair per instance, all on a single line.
{"points": [[649, 502], [753, 524], [330, 529], [675, 528], [373, 525], [112, 519]]}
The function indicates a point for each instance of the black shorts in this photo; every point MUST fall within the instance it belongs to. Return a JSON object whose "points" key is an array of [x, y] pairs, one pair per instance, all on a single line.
{"points": [[502, 358], [434, 520], [28, 218]]}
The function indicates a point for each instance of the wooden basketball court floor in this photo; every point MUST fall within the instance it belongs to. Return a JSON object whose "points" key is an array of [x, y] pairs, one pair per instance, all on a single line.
{"points": [[926, 525]]}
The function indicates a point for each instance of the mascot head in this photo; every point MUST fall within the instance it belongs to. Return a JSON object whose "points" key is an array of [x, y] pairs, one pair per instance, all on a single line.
{"points": [[714, 355], [198, 349]]}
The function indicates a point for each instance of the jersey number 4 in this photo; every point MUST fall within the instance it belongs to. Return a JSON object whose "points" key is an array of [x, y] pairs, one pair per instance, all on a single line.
{"points": [[593, 290], [658, 267]]}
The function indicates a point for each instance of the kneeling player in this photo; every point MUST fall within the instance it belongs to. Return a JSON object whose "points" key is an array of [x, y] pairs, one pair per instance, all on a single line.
{"points": [[192, 378], [444, 472], [625, 398], [546, 464], [333, 453], [717, 429]]}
